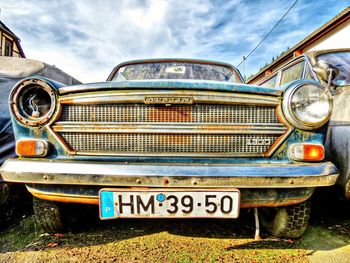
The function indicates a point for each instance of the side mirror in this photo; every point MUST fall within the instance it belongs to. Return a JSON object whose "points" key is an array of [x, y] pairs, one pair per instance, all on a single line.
{"points": [[327, 73]]}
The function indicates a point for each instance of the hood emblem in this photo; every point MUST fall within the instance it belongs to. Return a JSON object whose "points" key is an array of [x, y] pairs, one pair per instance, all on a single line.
{"points": [[168, 100]]}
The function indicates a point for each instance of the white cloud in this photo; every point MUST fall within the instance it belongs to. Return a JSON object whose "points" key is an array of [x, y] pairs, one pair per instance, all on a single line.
{"points": [[88, 38]]}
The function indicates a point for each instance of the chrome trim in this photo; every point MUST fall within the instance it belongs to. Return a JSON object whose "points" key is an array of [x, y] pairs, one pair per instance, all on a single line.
{"points": [[168, 154], [168, 128], [16, 107], [137, 96], [282, 175], [283, 137]]}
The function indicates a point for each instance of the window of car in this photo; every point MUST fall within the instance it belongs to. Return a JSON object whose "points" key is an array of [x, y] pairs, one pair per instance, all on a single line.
{"points": [[293, 72], [177, 70], [340, 60], [270, 83]]}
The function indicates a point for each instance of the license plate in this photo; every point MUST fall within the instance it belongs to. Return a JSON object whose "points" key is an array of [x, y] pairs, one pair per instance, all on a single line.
{"points": [[117, 203]]}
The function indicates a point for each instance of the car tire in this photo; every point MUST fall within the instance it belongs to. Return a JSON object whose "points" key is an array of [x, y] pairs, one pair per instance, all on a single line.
{"points": [[286, 222], [48, 215]]}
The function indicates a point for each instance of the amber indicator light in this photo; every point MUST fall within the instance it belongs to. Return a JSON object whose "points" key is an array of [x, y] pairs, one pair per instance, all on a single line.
{"points": [[307, 152], [31, 148], [313, 152]]}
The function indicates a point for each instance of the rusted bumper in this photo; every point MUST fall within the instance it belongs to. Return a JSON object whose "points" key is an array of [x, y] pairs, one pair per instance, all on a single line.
{"points": [[260, 184], [170, 175]]}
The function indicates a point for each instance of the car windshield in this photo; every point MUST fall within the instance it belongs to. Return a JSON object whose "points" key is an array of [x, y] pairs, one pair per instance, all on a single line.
{"points": [[176, 70], [340, 60]]}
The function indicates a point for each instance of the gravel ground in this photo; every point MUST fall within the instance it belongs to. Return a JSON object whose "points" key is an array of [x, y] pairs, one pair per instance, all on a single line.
{"points": [[326, 240]]}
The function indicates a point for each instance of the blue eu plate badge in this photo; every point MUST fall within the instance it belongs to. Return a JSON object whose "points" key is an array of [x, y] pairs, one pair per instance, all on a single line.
{"points": [[107, 205]]}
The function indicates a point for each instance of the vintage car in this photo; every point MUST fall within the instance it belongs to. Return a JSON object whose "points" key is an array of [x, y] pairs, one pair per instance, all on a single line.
{"points": [[172, 138], [330, 68], [12, 70]]}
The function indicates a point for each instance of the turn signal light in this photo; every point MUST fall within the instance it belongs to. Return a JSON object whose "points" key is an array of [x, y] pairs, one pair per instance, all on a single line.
{"points": [[31, 148], [307, 152]]}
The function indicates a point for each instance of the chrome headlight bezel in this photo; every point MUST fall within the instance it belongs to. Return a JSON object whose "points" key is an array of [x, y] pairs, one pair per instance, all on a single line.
{"points": [[17, 105], [295, 120]]}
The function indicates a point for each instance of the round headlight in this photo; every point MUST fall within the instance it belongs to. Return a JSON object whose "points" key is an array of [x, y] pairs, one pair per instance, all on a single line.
{"points": [[33, 102], [307, 106]]}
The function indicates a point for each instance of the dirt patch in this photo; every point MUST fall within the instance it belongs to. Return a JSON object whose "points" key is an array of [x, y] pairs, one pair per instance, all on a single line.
{"points": [[181, 240]]}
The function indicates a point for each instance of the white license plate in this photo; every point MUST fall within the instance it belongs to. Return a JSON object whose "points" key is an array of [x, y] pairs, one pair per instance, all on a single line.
{"points": [[167, 203]]}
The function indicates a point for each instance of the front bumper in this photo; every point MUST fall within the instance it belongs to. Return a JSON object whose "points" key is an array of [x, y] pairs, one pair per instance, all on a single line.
{"points": [[259, 184], [169, 175]]}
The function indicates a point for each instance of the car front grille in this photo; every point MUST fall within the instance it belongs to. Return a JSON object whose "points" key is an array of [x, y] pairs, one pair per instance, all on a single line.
{"points": [[206, 130]]}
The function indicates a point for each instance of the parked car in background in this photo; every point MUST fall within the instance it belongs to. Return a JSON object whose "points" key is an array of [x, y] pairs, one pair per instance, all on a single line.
{"points": [[172, 138], [12, 70], [329, 68]]}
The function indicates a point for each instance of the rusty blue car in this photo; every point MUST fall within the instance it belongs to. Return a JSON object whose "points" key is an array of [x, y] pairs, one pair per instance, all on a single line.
{"points": [[172, 138]]}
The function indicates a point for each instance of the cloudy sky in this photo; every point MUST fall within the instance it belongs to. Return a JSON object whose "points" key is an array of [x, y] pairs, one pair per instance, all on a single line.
{"points": [[88, 38]]}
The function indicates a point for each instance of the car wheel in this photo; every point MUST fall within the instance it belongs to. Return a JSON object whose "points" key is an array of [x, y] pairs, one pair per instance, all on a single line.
{"points": [[286, 222], [48, 215]]}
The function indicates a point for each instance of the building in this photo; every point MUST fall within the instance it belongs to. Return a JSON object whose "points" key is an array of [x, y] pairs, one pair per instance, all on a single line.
{"points": [[333, 34], [10, 45]]}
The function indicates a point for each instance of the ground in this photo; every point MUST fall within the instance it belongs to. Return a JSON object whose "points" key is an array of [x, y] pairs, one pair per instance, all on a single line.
{"points": [[326, 240]]}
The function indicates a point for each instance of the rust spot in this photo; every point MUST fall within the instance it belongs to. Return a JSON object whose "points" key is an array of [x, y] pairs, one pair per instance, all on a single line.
{"points": [[64, 199], [170, 114], [166, 181], [67, 101], [276, 203]]}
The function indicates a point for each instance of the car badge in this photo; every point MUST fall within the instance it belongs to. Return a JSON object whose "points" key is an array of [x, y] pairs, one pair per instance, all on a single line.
{"points": [[168, 100]]}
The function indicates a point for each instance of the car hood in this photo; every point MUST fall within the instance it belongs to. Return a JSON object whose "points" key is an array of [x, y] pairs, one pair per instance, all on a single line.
{"points": [[171, 84]]}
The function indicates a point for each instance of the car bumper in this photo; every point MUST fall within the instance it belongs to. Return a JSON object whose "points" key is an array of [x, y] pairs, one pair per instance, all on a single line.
{"points": [[260, 184], [169, 175]]}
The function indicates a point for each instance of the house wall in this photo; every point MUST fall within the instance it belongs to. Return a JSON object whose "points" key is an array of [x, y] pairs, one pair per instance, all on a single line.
{"points": [[15, 48], [339, 37]]}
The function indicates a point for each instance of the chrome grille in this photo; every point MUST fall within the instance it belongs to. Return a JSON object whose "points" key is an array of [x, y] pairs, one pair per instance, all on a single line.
{"points": [[200, 113], [141, 129], [168, 143]]}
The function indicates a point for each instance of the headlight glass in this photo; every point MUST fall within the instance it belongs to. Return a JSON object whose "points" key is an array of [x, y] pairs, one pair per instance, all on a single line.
{"points": [[309, 106], [33, 102]]}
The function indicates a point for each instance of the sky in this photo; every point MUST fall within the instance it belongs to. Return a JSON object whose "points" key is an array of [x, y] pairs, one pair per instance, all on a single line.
{"points": [[88, 38]]}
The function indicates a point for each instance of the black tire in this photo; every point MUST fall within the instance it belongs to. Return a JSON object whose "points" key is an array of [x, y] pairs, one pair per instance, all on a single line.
{"points": [[48, 215], [286, 222]]}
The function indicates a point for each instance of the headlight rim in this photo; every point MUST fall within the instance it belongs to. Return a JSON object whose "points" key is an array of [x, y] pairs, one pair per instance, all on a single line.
{"points": [[16, 108], [294, 120]]}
